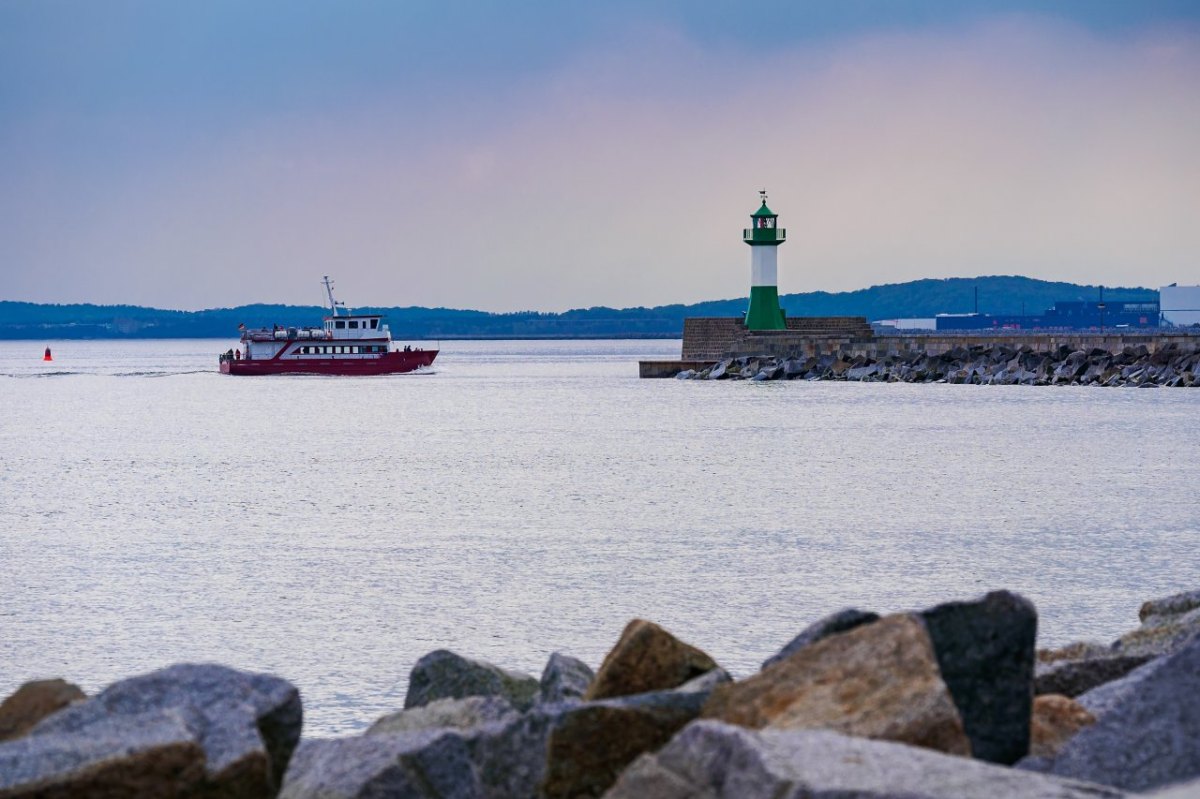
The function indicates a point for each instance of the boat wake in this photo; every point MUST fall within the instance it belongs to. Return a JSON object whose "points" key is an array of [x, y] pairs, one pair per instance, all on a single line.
{"points": [[165, 374], [43, 374], [148, 373]]}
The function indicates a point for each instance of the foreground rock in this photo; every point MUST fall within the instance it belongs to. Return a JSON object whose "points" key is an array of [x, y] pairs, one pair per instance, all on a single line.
{"points": [[1147, 730], [840, 622], [148, 754], [442, 674], [564, 678], [1187, 790], [187, 729], [33, 702], [460, 714], [647, 658], [877, 681], [719, 761], [706, 682], [565, 750], [1056, 719], [418, 763], [1166, 624], [985, 652], [1172, 365], [1076, 677], [495, 761], [592, 743]]}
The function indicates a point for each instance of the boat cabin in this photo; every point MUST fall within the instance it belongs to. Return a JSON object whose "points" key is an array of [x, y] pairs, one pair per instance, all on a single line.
{"points": [[358, 326]]}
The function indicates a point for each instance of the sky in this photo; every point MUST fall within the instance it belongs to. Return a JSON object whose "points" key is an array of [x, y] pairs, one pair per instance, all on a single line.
{"points": [[548, 155]]}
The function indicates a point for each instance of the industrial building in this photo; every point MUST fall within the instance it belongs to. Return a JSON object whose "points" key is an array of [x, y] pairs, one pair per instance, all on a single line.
{"points": [[1066, 315]]}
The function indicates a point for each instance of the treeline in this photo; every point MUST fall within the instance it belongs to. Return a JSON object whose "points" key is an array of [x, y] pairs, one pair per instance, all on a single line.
{"points": [[1001, 295]]}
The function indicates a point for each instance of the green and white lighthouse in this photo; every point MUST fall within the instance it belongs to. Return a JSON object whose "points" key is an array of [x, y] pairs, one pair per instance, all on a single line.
{"points": [[764, 237]]}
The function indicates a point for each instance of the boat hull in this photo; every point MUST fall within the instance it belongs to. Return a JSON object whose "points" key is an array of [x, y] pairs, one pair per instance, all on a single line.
{"points": [[391, 363]]}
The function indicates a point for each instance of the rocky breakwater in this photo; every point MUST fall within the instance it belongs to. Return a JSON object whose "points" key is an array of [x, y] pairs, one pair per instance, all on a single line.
{"points": [[1170, 366], [942, 703]]}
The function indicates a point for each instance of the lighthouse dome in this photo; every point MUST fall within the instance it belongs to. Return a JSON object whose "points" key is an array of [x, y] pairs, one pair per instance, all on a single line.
{"points": [[763, 211]]}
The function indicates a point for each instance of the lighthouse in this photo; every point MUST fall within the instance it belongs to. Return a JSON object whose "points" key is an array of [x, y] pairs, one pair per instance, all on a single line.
{"points": [[764, 237]]}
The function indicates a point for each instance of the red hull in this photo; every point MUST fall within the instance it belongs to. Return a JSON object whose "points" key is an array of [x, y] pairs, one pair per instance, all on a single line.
{"points": [[391, 363]]}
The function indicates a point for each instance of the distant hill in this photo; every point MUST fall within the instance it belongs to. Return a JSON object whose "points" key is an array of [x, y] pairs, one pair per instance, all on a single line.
{"points": [[918, 298]]}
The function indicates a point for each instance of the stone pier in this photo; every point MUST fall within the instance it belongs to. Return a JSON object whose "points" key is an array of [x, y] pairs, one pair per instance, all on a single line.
{"points": [[711, 339]]}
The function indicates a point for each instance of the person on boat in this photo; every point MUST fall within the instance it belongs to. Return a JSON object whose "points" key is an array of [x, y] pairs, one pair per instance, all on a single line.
{"points": [[237, 355]]}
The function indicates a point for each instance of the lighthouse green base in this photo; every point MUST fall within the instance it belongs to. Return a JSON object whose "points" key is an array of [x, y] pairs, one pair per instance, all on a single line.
{"points": [[764, 312]]}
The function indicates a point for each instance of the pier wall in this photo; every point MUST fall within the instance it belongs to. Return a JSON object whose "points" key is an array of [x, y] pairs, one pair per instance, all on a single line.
{"points": [[715, 338]]}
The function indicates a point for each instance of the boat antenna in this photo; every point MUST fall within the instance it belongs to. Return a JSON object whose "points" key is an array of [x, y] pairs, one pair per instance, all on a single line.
{"points": [[333, 304]]}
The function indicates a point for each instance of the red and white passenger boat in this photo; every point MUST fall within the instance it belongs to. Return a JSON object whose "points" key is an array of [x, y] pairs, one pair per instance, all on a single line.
{"points": [[346, 344]]}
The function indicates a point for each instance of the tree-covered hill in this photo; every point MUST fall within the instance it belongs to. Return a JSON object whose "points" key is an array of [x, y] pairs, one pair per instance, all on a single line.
{"points": [[918, 298]]}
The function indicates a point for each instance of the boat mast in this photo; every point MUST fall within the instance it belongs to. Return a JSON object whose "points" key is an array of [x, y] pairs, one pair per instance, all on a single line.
{"points": [[333, 304]]}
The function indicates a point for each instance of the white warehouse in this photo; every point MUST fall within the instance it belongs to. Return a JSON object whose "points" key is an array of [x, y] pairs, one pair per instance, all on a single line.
{"points": [[1180, 305]]}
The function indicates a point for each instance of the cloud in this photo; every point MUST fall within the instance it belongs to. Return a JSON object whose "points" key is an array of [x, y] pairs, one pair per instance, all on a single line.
{"points": [[622, 174]]}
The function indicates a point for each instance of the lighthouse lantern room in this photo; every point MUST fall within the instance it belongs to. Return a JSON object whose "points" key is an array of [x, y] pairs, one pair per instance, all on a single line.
{"points": [[764, 237]]}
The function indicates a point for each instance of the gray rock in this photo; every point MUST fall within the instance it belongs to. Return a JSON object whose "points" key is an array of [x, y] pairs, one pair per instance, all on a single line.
{"points": [[569, 749], [504, 760], [417, 764], [1147, 730], [711, 760], [445, 675], [460, 714], [1188, 790], [1075, 677], [793, 367], [706, 681], [718, 372], [840, 622], [1166, 624], [564, 678], [862, 372], [246, 724], [985, 650], [148, 754], [245, 727]]}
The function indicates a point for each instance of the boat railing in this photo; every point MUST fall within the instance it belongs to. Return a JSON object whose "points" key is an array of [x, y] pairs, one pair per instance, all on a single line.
{"points": [[287, 334]]}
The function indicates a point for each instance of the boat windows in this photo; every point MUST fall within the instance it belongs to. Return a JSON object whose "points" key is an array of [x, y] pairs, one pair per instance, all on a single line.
{"points": [[374, 323], [354, 324], [340, 324]]}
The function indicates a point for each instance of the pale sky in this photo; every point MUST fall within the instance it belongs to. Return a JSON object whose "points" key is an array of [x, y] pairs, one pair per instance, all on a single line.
{"points": [[548, 155]]}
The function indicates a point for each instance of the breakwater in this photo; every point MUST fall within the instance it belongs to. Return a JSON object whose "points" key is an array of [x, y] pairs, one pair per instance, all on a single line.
{"points": [[1171, 365], [845, 348], [950, 701]]}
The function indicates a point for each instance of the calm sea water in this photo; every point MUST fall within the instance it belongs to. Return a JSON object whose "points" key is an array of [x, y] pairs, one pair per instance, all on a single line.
{"points": [[534, 496]]}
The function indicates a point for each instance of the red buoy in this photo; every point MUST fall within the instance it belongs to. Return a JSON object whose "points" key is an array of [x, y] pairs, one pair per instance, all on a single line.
{"points": [[47, 356]]}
